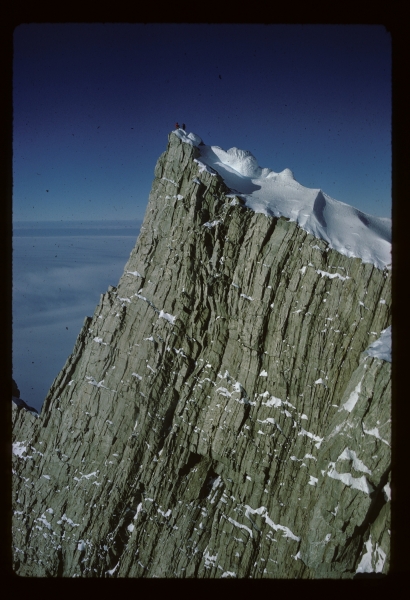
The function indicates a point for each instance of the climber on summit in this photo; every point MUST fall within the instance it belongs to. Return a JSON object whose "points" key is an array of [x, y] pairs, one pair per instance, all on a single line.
{"points": [[176, 125], [183, 126], [19, 402]]}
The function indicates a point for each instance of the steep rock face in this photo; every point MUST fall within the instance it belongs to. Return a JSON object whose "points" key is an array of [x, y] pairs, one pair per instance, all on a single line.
{"points": [[218, 416]]}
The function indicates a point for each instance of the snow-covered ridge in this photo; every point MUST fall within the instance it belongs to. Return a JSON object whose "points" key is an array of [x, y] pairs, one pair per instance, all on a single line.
{"points": [[345, 228]]}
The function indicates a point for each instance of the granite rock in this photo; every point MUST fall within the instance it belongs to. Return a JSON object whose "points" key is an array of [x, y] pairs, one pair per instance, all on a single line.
{"points": [[218, 416]]}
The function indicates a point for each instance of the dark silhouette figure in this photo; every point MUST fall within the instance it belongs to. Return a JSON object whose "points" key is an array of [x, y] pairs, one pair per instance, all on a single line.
{"points": [[176, 125], [19, 402], [183, 126]]}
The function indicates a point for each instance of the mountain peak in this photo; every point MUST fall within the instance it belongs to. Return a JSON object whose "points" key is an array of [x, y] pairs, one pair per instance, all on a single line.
{"points": [[345, 228], [225, 413]]}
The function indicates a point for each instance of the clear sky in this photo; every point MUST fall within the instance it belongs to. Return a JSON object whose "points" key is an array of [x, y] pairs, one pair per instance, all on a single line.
{"points": [[94, 103]]}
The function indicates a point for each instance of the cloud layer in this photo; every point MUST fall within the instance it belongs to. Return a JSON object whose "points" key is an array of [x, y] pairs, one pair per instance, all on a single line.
{"points": [[57, 282]]}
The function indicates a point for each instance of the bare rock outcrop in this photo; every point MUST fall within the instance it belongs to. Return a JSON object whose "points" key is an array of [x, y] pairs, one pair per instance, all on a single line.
{"points": [[218, 416]]}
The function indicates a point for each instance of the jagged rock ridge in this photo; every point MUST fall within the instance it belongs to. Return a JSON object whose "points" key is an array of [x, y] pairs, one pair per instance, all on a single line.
{"points": [[218, 416]]}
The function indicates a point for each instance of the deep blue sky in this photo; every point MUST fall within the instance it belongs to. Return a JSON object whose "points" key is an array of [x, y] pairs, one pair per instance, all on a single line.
{"points": [[94, 103]]}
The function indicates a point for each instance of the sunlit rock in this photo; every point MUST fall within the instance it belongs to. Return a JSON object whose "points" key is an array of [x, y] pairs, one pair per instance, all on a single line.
{"points": [[219, 416]]}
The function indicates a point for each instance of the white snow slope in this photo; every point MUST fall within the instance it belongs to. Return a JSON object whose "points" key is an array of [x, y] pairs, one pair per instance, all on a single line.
{"points": [[345, 228], [381, 348]]}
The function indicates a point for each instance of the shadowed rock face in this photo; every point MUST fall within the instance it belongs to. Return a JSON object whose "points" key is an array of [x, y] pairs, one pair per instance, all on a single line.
{"points": [[218, 416]]}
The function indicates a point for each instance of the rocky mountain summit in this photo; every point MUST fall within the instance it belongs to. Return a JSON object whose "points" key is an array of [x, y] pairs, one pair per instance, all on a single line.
{"points": [[219, 415]]}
